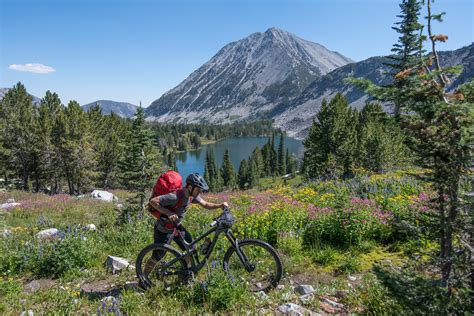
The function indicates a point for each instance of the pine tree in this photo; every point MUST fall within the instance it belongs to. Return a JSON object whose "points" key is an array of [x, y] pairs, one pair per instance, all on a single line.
{"points": [[227, 171], [243, 174], [212, 174], [49, 173], [253, 177], [440, 124], [331, 144], [141, 161], [258, 159], [380, 141], [110, 150], [196, 141], [291, 163], [273, 157], [208, 171], [281, 156], [72, 138], [266, 156], [20, 132], [407, 50], [172, 162]]}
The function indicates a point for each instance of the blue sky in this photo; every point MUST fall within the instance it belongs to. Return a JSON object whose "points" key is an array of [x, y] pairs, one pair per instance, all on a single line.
{"points": [[134, 51]]}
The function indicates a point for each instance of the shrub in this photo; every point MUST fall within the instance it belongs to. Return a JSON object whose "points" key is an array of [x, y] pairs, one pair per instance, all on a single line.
{"points": [[218, 292], [57, 258]]}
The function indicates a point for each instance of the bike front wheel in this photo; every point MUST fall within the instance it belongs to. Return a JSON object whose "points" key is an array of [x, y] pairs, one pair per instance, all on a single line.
{"points": [[162, 266], [260, 267]]}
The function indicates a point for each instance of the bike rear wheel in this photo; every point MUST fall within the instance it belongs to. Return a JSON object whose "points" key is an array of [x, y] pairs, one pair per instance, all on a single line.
{"points": [[264, 268], [165, 272]]}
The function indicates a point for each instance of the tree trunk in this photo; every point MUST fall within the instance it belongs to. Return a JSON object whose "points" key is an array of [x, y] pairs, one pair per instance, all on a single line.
{"points": [[445, 237]]}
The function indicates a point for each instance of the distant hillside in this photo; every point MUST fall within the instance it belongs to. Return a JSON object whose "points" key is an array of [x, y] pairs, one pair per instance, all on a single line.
{"points": [[3, 91], [297, 118], [122, 109]]}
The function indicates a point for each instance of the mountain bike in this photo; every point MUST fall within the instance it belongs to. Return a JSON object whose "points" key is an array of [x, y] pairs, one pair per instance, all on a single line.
{"points": [[252, 261]]}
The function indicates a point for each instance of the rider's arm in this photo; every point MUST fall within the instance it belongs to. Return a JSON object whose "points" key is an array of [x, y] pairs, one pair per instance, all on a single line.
{"points": [[155, 204], [209, 205]]}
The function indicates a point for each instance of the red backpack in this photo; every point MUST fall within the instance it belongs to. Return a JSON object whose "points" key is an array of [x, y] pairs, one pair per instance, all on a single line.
{"points": [[168, 182]]}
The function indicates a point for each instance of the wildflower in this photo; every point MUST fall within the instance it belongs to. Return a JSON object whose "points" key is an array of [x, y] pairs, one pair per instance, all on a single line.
{"points": [[231, 276]]}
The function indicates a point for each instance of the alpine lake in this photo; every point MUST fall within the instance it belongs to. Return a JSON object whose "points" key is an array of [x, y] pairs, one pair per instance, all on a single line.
{"points": [[239, 148]]}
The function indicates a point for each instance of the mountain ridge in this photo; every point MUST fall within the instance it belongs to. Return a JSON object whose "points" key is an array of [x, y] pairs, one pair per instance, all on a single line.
{"points": [[253, 72], [122, 109]]}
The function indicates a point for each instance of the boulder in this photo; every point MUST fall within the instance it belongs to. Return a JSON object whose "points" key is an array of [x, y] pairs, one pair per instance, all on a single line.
{"points": [[27, 313], [11, 201], [294, 310], [332, 303], [40, 284], [117, 264], [304, 289], [307, 298], [99, 289], [5, 233], [341, 293], [104, 196], [48, 233], [352, 278], [330, 306], [9, 205], [262, 295], [90, 227]]}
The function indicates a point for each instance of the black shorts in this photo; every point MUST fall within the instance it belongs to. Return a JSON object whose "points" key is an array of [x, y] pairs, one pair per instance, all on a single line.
{"points": [[160, 237]]}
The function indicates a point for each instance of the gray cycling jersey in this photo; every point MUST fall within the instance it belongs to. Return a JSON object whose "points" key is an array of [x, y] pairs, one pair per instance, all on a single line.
{"points": [[171, 199]]}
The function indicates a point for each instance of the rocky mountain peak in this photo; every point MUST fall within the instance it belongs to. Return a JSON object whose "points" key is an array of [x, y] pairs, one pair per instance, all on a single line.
{"points": [[246, 78]]}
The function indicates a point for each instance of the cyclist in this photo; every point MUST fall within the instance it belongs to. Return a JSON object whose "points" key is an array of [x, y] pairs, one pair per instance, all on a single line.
{"points": [[167, 219]]}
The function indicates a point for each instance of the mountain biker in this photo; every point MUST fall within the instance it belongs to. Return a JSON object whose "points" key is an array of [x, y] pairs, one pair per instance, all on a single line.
{"points": [[167, 219]]}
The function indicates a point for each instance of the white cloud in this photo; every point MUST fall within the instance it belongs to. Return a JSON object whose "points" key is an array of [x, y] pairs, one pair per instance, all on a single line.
{"points": [[36, 68]]}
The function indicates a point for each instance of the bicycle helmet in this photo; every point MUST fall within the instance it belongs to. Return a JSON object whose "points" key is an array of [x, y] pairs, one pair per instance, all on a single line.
{"points": [[196, 180]]}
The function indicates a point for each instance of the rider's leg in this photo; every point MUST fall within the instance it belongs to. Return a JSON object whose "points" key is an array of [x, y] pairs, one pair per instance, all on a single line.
{"points": [[188, 238], [159, 237]]}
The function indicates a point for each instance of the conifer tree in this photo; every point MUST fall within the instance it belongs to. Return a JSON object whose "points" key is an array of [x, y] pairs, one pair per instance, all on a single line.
{"points": [[273, 157], [227, 171], [110, 150], [48, 171], [258, 159], [331, 144], [407, 50], [242, 177], [212, 174], [281, 156], [440, 124], [74, 142], [381, 141], [253, 177], [207, 170], [141, 161], [291, 163], [19, 132], [172, 162], [266, 155]]}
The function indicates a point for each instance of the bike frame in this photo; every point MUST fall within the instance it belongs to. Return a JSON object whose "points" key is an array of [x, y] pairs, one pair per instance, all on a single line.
{"points": [[192, 252]]}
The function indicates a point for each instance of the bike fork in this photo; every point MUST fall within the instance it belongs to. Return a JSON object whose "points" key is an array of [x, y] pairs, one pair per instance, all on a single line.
{"points": [[243, 258]]}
